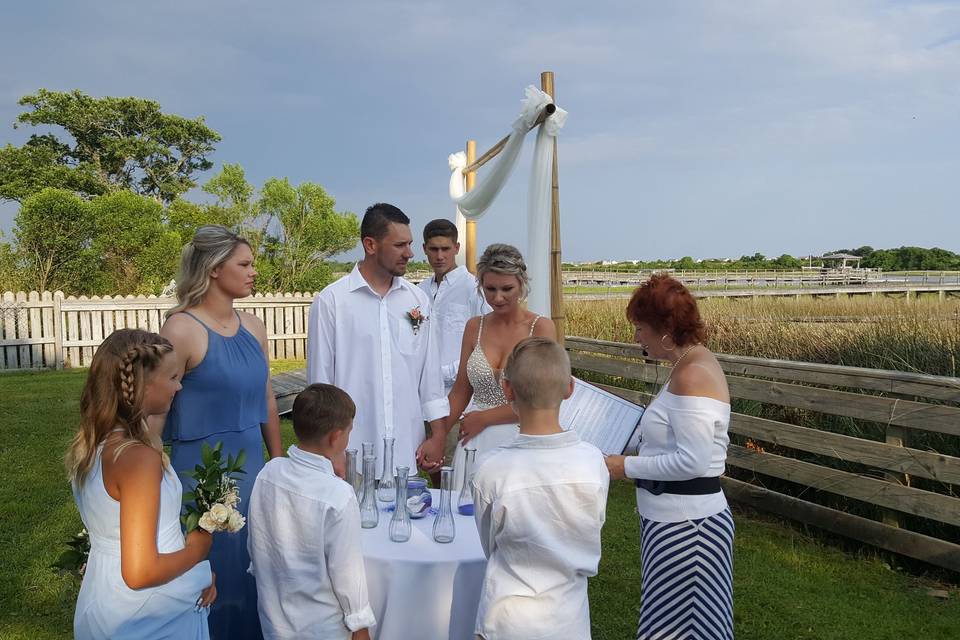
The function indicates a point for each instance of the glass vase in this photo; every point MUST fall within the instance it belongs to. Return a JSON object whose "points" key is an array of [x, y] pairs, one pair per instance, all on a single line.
{"points": [[400, 525], [369, 512], [465, 501], [353, 476], [388, 487], [444, 529]]}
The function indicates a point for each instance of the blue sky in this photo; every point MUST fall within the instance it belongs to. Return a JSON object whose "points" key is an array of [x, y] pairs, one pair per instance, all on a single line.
{"points": [[707, 129]]}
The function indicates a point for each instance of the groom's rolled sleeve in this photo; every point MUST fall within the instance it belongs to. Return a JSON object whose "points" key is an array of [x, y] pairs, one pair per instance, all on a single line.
{"points": [[433, 397]]}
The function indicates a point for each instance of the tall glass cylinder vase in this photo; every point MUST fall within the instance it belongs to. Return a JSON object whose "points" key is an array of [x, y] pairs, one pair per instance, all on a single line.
{"points": [[400, 525], [366, 450], [385, 493], [444, 529], [369, 512], [465, 501], [353, 474]]}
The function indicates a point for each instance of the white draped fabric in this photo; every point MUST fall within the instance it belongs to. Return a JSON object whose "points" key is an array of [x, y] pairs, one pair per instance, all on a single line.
{"points": [[474, 204], [458, 186]]}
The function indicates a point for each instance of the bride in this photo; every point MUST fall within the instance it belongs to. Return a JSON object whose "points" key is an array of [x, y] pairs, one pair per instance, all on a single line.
{"points": [[487, 341]]}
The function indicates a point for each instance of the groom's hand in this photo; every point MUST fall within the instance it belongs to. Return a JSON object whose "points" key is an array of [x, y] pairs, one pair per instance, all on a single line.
{"points": [[430, 453]]}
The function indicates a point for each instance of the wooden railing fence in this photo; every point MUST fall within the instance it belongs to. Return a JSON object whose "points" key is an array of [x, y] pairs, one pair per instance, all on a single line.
{"points": [[876, 472], [50, 330]]}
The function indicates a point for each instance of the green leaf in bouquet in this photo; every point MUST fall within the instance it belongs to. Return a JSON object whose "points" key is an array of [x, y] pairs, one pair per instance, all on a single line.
{"points": [[206, 456], [192, 522], [69, 560], [241, 459], [189, 496]]}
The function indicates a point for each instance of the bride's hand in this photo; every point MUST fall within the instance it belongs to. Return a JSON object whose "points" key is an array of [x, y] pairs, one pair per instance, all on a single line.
{"points": [[471, 425]]}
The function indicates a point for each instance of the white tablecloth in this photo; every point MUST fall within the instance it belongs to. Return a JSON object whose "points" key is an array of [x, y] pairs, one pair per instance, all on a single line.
{"points": [[421, 589]]}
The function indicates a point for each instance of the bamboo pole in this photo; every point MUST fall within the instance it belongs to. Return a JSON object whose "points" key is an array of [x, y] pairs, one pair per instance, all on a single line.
{"points": [[471, 224], [556, 262]]}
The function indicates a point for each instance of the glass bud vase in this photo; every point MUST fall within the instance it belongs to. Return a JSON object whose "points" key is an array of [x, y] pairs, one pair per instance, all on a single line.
{"points": [[400, 525], [353, 474], [444, 529], [367, 450], [369, 512], [465, 501], [387, 489]]}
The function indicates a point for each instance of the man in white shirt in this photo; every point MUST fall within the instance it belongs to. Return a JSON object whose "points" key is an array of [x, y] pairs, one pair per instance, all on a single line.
{"points": [[540, 503], [453, 294], [304, 538], [371, 334]]}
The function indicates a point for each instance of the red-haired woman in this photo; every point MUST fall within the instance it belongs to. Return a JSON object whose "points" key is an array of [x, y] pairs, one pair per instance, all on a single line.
{"points": [[686, 530]]}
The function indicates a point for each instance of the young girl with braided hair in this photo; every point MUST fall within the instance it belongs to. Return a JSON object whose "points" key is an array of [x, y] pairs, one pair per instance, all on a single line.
{"points": [[143, 578]]}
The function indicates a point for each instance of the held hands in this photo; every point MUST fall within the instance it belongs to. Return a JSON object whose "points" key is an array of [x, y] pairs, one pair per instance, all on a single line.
{"points": [[430, 453], [471, 424], [615, 467]]}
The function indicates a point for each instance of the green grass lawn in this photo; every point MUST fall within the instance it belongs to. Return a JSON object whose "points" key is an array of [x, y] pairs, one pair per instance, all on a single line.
{"points": [[786, 584]]}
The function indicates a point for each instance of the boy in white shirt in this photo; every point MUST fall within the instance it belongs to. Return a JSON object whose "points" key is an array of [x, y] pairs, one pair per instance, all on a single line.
{"points": [[304, 538], [540, 504], [454, 297]]}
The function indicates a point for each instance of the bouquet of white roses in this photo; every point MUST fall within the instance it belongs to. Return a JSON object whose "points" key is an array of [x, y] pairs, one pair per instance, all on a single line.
{"points": [[212, 503]]}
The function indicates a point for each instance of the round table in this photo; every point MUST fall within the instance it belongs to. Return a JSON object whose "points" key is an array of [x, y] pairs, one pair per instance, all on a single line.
{"points": [[420, 588]]}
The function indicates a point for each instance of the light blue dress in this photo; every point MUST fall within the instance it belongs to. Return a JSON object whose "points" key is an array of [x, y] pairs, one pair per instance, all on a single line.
{"points": [[223, 399], [106, 606]]}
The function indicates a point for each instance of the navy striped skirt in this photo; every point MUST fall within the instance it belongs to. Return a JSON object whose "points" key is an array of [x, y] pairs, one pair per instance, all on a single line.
{"points": [[687, 582]]}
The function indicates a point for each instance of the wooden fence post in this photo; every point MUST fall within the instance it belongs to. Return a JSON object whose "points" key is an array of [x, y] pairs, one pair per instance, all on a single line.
{"points": [[58, 328]]}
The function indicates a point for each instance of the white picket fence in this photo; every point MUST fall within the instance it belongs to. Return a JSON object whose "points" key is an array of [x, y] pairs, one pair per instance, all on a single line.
{"points": [[50, 330]]}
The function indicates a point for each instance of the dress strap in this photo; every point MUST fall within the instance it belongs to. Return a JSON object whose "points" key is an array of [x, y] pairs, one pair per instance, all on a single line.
{"points": [[480, 331], [202, 323], [533, 324]]}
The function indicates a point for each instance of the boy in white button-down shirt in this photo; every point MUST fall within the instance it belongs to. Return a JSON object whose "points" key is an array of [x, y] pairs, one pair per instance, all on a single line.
{"points": [[540, 504], [304, 538], [454, 297]]}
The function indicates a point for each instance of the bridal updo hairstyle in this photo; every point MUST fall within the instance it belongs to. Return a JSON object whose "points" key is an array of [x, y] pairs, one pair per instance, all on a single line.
{"points": [[503, 259], [666, 305]]}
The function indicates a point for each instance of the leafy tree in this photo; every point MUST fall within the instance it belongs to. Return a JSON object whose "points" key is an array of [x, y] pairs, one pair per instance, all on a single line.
{"points": [[301, 229], [12, 272], [53, 230], [137, 252], [787, 261], [118, 143]]}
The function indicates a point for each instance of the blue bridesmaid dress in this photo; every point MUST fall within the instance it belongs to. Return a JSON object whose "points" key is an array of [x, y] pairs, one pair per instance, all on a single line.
{"points": [[223, 399]]}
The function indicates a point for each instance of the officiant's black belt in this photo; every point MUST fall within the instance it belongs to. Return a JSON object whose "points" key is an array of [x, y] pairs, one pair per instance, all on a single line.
{"points": [[694, 487]]}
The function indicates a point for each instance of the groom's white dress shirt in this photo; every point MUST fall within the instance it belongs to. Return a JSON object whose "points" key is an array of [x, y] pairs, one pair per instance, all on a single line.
{"points": [[454, 301], [367, 346], [304, 544], [540, 502]]}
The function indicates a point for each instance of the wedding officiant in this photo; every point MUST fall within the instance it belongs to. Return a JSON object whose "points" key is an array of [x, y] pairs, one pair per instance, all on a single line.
{"points": [[371, 334]]}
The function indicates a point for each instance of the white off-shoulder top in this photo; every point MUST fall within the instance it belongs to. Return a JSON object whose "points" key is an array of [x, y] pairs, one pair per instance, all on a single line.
{"points": [[681, 437]]}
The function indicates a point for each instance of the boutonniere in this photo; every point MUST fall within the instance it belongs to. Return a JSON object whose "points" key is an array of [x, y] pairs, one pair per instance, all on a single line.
{"points": [[416, 318]]}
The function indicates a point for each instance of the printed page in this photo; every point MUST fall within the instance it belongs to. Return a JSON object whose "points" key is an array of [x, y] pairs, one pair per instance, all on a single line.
{"points": [[600, 418]]}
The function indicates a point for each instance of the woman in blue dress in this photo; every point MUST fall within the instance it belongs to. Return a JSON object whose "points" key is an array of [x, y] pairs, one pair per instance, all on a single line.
{"points": [[226, 397]]}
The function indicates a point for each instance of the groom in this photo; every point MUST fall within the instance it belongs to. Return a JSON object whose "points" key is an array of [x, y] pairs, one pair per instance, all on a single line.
{"points": [[370, 333]]}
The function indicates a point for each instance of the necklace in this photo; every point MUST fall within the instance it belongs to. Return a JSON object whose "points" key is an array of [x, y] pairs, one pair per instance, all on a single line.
{"points": [[676, 362]]}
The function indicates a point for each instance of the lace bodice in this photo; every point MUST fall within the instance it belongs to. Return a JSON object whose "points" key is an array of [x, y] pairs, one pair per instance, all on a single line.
{"points": [[487, 392]]}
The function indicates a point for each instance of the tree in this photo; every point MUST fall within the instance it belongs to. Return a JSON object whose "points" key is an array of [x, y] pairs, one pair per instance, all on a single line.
{"points": [[53, 230], [118, 143], [300, 229], [787, 261], [137, 252]]}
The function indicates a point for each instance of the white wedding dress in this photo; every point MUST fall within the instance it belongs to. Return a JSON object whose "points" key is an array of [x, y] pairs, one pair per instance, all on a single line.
{"points": [[487, 394]]}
